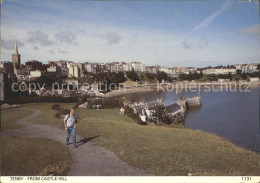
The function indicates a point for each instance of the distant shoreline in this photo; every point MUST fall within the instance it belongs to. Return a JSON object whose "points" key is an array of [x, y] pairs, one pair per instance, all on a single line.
{"points": [[174, 86]]}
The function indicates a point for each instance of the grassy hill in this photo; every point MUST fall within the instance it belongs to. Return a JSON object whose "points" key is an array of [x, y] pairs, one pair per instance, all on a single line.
{"points": [[159, 150]]}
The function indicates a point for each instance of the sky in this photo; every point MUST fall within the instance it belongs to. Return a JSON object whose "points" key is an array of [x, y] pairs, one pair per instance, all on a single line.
{"points": [[167, 33]]}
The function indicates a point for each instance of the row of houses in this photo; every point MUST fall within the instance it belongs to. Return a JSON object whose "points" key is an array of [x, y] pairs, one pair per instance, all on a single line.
{"points": [[247, 68], [33, 69], [147, 111]]}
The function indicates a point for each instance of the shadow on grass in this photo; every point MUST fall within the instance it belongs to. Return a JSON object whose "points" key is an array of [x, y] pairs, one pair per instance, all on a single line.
{"points": [[85, 140]]}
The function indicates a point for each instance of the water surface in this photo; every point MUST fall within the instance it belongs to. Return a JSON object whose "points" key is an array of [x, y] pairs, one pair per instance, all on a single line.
{"points": [[232, 115]]}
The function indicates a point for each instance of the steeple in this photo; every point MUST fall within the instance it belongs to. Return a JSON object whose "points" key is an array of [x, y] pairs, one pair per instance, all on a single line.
{"points": [[16, 58], [15, 48]]}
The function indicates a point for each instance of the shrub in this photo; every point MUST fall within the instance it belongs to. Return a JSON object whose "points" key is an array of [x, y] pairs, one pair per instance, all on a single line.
{"points": [[64, 111], [77, 105], [56, 107], [107, 103], [130, 113], [61, 112], [132, 75]]}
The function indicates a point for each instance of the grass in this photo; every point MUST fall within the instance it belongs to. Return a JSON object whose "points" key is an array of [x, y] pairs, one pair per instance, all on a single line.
{"points": [[33, 156], [160, 150], [8, 119], [47, 116]]}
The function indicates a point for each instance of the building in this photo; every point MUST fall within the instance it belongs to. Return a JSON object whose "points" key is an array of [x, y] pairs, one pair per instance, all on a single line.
{"points": [[22, 74], [35, 74], [167, 70], [6, 80], [254, 79], [81, 69], [126, 67], [219, 71], [73, 71], [116, 67], [138, 66], [3, 82], [7, 66], [238, 66], [88, 67], [175, 109], [54, 70], [151, 69], [247, 68], [16, 57], [182, 70], [34, 65]]}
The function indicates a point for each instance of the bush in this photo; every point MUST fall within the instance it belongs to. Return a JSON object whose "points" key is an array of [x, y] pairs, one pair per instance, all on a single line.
{"points": [[64, 111], [77, 105], [130, 113], [61, 111], [132, 75], [56, 107], [107, 103]]}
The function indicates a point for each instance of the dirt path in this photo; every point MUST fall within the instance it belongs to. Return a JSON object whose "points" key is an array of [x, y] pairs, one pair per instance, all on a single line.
{"points": [[88, 158]]}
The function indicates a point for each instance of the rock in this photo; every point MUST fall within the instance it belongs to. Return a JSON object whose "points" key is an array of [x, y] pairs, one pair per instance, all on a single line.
{"points": [[84, 105], [5, 105]]}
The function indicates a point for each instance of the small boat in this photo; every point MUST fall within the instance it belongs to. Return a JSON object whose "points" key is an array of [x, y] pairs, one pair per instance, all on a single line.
{"points": [[194, 101]]}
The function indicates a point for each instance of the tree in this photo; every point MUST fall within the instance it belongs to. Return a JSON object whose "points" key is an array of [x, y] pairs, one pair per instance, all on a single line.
{"points": [[133, 76], [161, 76], [239, 71], [48, 81]]}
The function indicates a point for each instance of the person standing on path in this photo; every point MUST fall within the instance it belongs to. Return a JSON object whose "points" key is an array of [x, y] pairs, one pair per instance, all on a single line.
{"points": [[70, 123]]}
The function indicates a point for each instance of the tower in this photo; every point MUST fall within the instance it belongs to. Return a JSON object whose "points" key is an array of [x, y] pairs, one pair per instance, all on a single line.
{"points": [[16, 56]]}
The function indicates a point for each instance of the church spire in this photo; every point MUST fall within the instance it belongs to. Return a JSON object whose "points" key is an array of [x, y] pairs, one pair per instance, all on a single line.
{"points": [[16, 58], [15, 48]]}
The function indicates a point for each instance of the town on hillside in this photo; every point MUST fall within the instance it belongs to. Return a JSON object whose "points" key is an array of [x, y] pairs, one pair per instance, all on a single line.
{"points": [[74, 73]]}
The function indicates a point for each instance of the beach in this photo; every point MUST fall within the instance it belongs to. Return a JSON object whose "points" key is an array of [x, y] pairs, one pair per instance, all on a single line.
{"points": [[186, 85]]}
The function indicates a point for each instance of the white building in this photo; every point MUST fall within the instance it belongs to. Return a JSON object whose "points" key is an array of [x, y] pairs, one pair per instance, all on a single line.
{"points": [[76, 71], [35, 74], [254, 79], [219, 71], [89, 67], [81, 68], [52, 69], [138, 66], [247, 68], [73, 71], [163, 69], [126, 67]]}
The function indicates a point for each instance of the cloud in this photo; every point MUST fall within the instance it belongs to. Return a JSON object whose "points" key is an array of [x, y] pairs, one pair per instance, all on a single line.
{"points": [[62, 51], [207, 21], [186, 44], [111, 38], [35, 48], [251, 30], [39, 37], [66, 37], [9, 44], [52, 52], [195, 43]]}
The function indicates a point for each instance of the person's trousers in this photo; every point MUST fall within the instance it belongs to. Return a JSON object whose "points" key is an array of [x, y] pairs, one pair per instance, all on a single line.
{"points": [[71, 130]]}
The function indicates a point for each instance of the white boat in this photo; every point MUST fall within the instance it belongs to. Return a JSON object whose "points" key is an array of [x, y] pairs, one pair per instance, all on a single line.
{"points": [[194, 101]]}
